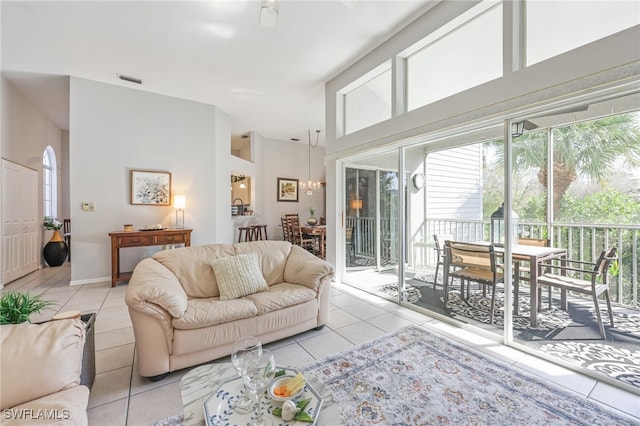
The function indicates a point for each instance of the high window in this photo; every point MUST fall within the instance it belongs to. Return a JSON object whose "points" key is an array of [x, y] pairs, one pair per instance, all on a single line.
{"points": [[49, 182], [462, 54], [367, 101], [555, 27]]}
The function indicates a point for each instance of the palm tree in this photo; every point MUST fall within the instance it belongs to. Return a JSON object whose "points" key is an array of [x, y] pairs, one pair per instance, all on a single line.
{"points": [[592, 149]]}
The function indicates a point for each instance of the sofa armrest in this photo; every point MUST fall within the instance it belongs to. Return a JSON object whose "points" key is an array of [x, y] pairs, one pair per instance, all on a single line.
{"points": [[306, 269], [153, 286]]}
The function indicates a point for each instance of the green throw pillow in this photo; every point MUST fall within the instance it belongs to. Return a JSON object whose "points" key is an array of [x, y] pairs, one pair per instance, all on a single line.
{"points": [[238, 276]]}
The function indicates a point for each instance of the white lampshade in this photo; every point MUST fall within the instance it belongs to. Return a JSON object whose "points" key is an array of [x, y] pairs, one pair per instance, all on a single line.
{"points": [[179, 201]]}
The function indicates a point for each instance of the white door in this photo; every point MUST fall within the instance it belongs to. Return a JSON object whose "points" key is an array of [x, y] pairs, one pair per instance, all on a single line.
{"points": [[20, 252]]}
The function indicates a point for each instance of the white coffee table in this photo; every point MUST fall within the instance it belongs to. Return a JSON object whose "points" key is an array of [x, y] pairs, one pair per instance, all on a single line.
{"points": [[199, 383]]}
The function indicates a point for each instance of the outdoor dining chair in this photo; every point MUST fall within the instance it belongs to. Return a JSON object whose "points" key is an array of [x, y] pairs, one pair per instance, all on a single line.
{"points": [[349, 243], [476, 262], [569, 278], [438, 241], [522, 270]]}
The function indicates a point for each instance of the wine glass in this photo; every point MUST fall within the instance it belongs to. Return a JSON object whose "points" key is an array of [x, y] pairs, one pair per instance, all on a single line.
{"points": [[245, 355], [258, 380]]}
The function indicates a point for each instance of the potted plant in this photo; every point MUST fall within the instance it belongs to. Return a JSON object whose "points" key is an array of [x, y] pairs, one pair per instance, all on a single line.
{"points": [[55, 252], [16, 307], [312, 220]]}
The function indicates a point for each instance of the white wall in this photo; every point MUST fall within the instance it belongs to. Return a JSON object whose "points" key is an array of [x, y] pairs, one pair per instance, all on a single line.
{"points": [[114, 130], [290, 160], [26, 132]]}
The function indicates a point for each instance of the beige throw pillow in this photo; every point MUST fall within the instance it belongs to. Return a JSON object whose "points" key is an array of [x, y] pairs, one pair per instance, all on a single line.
{"points": [[238, 276]]}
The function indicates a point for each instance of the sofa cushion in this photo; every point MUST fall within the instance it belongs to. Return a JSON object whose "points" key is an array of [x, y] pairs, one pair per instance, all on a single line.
{"points": [[39, 359], [192, 266], [207, 312], [238, 276], [64, 408], [281, 296], [273, 257]]}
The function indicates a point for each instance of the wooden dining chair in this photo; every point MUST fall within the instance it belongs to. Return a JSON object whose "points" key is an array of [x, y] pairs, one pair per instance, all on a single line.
{"points": [[570, 274], [286, 235], [66, 234], [475, 262], [295, 232]]}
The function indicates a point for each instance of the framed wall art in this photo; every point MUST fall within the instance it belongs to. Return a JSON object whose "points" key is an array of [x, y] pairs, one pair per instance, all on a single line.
{"points": [[287, 189], [150, 188]]}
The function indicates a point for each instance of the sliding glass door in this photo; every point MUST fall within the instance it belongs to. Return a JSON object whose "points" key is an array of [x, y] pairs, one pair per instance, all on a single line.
{"points": [[572, 183]]}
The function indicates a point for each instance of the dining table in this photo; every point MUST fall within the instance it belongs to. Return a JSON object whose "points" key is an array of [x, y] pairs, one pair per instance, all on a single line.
{"points": [[534, 255], [319, 233]]}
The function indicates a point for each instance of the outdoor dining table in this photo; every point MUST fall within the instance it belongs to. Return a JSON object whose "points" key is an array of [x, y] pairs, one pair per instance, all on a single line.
{"points": [[534, 255]]}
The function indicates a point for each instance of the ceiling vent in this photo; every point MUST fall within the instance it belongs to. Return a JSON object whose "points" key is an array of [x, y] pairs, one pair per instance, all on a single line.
{"points": [[130, 79]]}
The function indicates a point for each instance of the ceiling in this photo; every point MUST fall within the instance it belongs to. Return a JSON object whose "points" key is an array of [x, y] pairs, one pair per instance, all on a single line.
{"points": [[269, 80]]}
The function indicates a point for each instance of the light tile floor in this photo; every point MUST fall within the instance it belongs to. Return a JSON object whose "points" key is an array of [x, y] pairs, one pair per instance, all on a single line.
{"points": [[120, 396]]}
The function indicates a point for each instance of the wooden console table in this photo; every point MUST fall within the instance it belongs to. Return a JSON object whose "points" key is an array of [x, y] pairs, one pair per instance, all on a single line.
{"points": [[126, 239]]}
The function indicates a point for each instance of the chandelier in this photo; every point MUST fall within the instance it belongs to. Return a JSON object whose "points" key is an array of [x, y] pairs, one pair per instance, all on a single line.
{"points": [[310, 187]]}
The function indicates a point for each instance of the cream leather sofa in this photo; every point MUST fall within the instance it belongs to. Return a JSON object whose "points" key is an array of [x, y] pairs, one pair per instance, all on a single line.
{"points": [[179, 319], [40, 367]]}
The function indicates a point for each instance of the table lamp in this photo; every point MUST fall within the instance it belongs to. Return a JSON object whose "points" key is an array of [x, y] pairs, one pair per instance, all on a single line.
{"points": [[179, 203]]}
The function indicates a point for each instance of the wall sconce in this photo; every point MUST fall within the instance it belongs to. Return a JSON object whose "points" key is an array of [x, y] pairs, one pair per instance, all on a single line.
{"points": [[241, 179], [180, 203], [356, 204]]}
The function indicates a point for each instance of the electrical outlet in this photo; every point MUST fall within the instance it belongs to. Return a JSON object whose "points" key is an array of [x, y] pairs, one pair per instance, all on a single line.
{"points": [[88, 206]]}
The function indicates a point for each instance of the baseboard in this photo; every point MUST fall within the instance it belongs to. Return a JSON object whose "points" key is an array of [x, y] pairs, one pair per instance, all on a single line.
{"points": [[90, 281]]}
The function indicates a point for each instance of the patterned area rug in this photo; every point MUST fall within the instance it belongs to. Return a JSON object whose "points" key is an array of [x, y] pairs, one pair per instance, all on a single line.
{"points": [[413, 377], [177, 420]]}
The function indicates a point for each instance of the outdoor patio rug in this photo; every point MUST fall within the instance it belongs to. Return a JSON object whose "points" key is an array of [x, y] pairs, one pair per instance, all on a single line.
{"points": [[414, 377], [620, 363], [412, 293], [478, 308]]}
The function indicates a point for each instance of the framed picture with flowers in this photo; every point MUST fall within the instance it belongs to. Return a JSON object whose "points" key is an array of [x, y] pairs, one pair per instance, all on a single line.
{"points": [[287, 189], [150, 188]]}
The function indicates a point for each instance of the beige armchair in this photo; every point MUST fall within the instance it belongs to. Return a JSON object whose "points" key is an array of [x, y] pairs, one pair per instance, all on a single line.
{"points": [[40, 366]]}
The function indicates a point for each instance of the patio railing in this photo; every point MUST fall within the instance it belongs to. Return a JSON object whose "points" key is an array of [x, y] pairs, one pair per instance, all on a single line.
{"points": [[583, 242]]}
